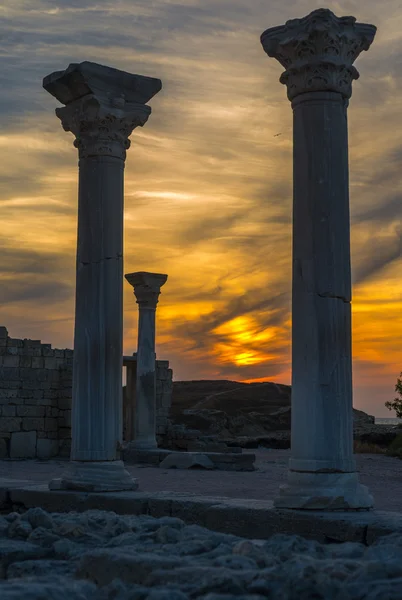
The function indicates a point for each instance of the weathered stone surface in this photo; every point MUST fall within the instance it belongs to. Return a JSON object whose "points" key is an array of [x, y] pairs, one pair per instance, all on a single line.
{"points": [[321, 284], [10, 424], [46, 448], [186, 460], [3, 448], [23, 444], [30, 411]]}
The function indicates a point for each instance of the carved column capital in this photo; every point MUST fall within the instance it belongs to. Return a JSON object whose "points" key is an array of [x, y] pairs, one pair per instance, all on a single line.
{"points": [[103, 106], [147, 287], [102, 128], [318, 51]]}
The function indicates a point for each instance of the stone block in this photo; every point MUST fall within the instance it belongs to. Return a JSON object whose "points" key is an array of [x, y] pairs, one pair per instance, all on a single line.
{"points": [[186, 460], [51, 424], [64, 403], [28, 374], [47, 351], [58, 353], [162, 374], [8, 410], [38, 362], [23, 444], [166, 402], [44, 385], [3, 448], [10, 384], [3, 342], [46, 448], [41, 375], [9, 374], [65, 433], [38, 394], [69, 353], [41, 434], [31, 343], [30, 411], [161, 364], [50, 363], [54, 375], [5, 434], [26, 394], [25, 361], [8, 395], [67, 416], [29, 385], [33, 423], [26, 351], [15, 342], [55, 412], [12, 350], [3, 332], [37, 352], [52, 435], [10, 424], [50, 394]]}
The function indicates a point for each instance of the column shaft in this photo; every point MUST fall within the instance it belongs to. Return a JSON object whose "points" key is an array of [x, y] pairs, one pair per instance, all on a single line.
{"points": [[322, 419], [98, 341], [144, 414]]}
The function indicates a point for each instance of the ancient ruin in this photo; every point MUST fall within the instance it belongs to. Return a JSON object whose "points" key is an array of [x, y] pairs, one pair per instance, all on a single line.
{"points": [[102, 108], [318, 52], [147, 288]]}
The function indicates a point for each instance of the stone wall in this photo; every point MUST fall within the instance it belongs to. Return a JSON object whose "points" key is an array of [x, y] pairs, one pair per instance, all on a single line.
{"points": [[35, 398], [164, 388]]}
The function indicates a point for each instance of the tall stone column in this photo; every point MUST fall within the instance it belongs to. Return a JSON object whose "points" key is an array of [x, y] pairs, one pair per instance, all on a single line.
{"points": [[147, 287], [318, 52], [102, 108]]}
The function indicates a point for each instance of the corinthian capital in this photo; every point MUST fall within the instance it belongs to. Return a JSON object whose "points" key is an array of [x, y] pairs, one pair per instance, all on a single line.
{"points": [[318, 51], [147, 287], [102, 106], [102, 129]]}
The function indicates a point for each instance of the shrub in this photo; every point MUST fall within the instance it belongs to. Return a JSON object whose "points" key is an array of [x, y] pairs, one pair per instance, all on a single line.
{"points": [[395, 447]]}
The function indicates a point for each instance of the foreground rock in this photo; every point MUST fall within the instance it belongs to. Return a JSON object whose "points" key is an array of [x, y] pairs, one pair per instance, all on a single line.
{"points": [[98, 555]]}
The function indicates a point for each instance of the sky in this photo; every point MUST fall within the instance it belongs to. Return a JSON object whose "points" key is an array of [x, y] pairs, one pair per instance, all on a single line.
{"points": [[208, 182]]}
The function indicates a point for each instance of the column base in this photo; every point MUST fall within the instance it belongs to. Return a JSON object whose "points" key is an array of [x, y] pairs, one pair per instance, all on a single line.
{"points": [[324, 491], [95, 476]]}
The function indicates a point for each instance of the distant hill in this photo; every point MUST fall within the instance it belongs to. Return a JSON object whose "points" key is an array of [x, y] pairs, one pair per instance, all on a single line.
{"points": [[234, 409]]}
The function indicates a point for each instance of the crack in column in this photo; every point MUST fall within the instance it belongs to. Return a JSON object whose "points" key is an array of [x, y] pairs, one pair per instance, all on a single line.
{"points": [[329, 295], [96, 262]]}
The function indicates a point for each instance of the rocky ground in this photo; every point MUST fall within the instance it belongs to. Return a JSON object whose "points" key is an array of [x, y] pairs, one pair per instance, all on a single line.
{"points": [[102, 556]]}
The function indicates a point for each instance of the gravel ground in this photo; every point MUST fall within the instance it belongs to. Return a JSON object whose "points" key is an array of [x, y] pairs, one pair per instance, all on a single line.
{"points": [[98, 555], [382, 474]]}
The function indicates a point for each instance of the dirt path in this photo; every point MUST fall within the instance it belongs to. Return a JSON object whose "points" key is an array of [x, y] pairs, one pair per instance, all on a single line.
{"points": [[382, 474]]}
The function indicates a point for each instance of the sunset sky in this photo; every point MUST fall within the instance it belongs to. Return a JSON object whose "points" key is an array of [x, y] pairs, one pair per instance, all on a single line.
{"points": [[208, 189]]}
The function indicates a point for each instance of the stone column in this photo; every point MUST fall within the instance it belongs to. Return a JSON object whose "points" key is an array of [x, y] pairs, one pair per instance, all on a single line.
{"points": [[147, 287], [102, 108], [318, 52]]}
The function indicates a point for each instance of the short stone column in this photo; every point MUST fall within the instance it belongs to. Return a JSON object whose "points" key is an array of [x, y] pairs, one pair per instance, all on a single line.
{"points": [[102, 108], [147, 288], [318, 52]]}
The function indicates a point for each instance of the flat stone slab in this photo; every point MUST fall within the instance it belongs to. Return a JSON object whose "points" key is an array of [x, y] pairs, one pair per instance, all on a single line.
{"points": [[245, 518], [186, 460], [224, 461]]}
